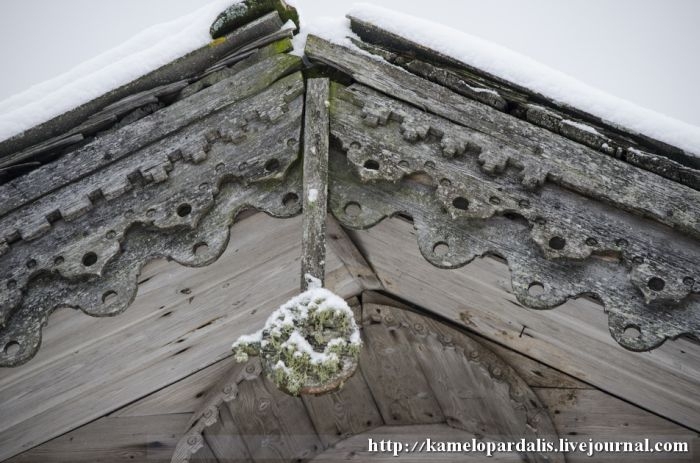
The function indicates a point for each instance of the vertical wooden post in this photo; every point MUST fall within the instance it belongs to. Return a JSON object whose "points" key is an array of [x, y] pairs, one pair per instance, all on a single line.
{"points": [[316, 129]]}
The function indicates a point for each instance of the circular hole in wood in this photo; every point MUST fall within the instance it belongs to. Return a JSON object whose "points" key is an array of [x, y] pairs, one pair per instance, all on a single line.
{"points": [[58, 260], [200, 249], [592, 242], [109, 297], [183, 210], [272, 165], [371, 164], [656, 284], [445, 182], [557, 242], [495, 200], [404, 164], [632, 332], [441, 249], [535, 289], [11, 348], [353, 209], [89, 259], [688, 281], [460, 203], [31, 263], [291, 199]]}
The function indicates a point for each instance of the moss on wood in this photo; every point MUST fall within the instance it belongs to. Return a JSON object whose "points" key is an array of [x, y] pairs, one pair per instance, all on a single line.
{"points": [[244, 12]]}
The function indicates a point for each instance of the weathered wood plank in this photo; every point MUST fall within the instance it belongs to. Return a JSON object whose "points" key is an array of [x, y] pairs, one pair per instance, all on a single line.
{"points": [[583, 414], [225, 440], [184, 396], [162, 342], [568, 244], [113, 440], [344, 413], [356, 447], [342, 246], [571, 164], [386, 356], [574, 338], [187, 66], [126, 140], [476, 390], [535, 374], [272, 424], [316, 122], [519, 101]]}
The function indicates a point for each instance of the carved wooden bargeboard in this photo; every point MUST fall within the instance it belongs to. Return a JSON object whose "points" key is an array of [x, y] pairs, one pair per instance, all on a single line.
{"points": [[472, 165]]}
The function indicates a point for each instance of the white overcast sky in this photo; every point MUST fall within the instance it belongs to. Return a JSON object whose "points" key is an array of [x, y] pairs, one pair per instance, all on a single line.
{"points": [[646, 51]]}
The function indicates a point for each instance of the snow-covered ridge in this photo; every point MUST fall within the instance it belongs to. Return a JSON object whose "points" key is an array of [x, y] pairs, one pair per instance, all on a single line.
{"points": [[526, 72], [165, 43], [145, 52]]}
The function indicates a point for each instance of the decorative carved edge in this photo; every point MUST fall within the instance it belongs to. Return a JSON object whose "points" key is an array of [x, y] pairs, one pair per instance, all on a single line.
{"points": [[399, 160]]}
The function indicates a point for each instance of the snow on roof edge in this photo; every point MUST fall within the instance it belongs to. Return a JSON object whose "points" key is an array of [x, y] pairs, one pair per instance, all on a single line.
{"points": [[140, 55], [529, 73]]}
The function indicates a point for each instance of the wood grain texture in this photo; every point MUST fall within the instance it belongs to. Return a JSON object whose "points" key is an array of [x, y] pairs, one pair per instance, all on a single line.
{"points": [[583, 414], [113, 440], [386, 357], [635, 148], [355, 448], [572, 164], [273, 425], [183, 320], [315, 180], [573, 339], [187, 66], [339, 242], [392, 158], [344, 413], [477, 391]]}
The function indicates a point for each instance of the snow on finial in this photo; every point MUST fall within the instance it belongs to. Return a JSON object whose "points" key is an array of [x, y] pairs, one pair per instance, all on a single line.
{"points": [[309, 345]]}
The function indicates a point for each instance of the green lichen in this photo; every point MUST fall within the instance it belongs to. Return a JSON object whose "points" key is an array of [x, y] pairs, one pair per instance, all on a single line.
{"points": [[244, 12], [310, 344]]}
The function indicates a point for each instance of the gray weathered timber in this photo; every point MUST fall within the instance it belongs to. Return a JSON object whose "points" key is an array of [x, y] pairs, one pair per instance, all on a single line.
{"points": [[540, 156], [182, 320], [188, 66], [394, 376], [355, 448], [574, 339], [479, 392], [517, 100], [316, 128], [443, 377], [343, 413], [567, 244], [235, 158], [579, 412], [243, 12], [274, 425], [341, 245], [115, 145]]}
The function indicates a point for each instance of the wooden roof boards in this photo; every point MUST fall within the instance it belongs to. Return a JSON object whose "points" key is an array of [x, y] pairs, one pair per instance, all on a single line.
{"points": [[501, 186]]}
